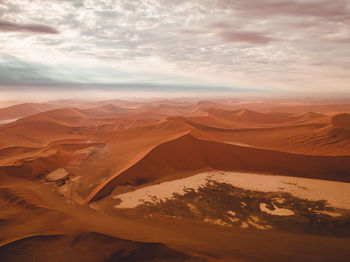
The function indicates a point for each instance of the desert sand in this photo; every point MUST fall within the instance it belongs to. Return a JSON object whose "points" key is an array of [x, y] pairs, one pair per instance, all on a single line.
{"points": [[175, 180]]}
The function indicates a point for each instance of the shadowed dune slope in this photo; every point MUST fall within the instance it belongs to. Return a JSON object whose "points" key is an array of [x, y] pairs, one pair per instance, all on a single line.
{"points": [[87, 247], [20, 198], [190, 154], [38, 167], [341, 121]]}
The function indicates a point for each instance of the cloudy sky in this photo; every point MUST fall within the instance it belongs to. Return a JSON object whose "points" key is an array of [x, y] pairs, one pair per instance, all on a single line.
{"points": [[172, 46]]}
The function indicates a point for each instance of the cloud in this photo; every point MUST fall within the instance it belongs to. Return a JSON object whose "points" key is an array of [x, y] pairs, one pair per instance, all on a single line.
{"points": [[6, 26], [231, 42], [20, 76], [229, 34], [336, 9], [246, 37]]}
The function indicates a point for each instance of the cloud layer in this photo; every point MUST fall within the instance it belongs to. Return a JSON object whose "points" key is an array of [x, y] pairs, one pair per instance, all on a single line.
{"points": [[272, 45], [6, 26]]}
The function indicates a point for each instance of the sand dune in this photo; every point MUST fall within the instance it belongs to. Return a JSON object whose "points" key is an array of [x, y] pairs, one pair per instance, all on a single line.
{"points": [[106, 111], [87, 246], [23, 110], [305, 138], [250, 116], [59, 164], [190, 154], [21, 198], [44, 128], [341, 121], [63, 116], [38, 167]]}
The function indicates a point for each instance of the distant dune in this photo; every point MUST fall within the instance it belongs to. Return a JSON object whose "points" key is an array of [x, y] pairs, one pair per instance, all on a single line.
{"points": [[23, 110], [249, 116]]}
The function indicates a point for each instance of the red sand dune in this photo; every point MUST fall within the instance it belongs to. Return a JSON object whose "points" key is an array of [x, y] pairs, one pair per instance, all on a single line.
{"points": [[87, 246], [23, 110], [121, 145], [341, 121], [190, 154], [38, 167], [249, 116], [312, 136]]}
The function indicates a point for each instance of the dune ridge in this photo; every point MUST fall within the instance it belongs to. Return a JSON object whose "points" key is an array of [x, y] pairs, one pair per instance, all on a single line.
{"points": [[190, 154]]}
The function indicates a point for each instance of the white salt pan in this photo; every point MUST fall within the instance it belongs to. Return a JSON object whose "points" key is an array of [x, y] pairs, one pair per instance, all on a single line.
{"points": [[277, 211], [336, 193]]}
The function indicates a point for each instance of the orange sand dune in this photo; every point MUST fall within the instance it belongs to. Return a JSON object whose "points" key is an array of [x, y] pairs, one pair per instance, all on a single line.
{"points": [[63, 116], [116, 146], [23, 110], [39, 133], [341, 121], [310, 133], [21, 197], [102, 248], [250, 116], [190, 154], [244, 118], [38, 167], [321, 106], [311, 138], [106, 111], [44, 128]]}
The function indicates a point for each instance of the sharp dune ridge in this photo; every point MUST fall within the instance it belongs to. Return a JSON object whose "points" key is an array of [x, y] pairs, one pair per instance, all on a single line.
{"points": [[188, 153]]}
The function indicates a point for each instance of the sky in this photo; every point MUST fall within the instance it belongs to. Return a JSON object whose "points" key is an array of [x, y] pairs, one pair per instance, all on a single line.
{"points": [[63, 48]]}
